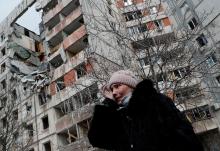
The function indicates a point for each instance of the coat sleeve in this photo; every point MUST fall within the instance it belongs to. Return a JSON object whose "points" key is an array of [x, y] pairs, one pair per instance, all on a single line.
{"points": [[103, 127], [179, 128]]}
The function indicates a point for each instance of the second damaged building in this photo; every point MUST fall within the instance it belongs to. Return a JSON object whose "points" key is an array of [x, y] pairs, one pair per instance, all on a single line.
{"points": [[56, 83]]}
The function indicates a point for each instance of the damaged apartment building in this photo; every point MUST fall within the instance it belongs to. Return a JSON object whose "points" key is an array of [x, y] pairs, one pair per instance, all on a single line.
{"points": [[177, 44], [200, 22], [54, 77]]}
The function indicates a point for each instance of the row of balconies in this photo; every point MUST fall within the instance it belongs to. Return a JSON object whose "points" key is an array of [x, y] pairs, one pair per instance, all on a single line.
{"points": [[67, 25], [62, 7], [74, 43]]}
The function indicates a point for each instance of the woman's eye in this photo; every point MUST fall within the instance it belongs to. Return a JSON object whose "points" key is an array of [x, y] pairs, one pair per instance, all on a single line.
{"points": [[118, 85]]}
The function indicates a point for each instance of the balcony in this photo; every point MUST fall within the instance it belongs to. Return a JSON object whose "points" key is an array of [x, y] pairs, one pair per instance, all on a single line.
{"points": [[81, 144], [64, 68], [64, 7], [149, 41], [57, 58], [204, 125], [67, 25], [76, 41], [75, 117]]}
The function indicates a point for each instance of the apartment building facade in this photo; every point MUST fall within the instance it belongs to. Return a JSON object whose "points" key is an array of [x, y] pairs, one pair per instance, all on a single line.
{"points": [[201, 19], [21, 54], [155, 28]]}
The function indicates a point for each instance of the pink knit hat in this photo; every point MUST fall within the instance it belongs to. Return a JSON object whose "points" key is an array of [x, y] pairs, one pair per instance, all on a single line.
{"points": [[124, 77]]}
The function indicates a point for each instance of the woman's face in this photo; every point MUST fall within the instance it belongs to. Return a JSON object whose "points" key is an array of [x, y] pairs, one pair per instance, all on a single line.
{"points": [[119, 91]]}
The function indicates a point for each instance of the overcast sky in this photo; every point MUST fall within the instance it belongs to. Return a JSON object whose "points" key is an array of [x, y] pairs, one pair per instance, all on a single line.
{"points": [[30, 19]]}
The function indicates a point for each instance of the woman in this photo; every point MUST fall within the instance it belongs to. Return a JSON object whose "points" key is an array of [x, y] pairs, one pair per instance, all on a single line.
{"points": [[134, 117]]}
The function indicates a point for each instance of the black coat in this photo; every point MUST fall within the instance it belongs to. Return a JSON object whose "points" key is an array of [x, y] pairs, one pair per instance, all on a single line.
{"points": [[150, 122]]}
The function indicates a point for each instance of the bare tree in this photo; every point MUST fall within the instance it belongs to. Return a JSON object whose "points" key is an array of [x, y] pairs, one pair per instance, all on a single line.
{"points": [[173, 58], [13, 132]]}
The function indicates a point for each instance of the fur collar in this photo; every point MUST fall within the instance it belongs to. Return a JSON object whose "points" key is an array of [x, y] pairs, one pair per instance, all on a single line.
{"points": [[143, 97]]}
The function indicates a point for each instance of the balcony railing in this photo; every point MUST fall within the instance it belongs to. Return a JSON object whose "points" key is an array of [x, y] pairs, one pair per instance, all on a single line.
{"points": [[81, 144], [69, 120], [204, 125]]}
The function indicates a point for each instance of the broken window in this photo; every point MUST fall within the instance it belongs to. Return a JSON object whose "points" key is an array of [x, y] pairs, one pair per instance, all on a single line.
{"points": [[201, 40], [153, 10], [12, 82], [211, 60], [60, 83], [112, 25], [47, 146], [137, 29], [129, 16], [161, 77], [26, 32], [3, 84], [128, 2], [3, 67], [16, 136], [94, 91], [133, 30], [30, 130], [182, 72], [142, 28], [15, 115], [37, 47], [3, 102], [158, 24], [218, 79], [14, 95], [3, 52], [45, 122], [80, 70], [4, 122], [42, 96], [28, 107], [133, 15], [199, 113], [109, 7], [192, 23], [2, 37], [144, 61]]}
